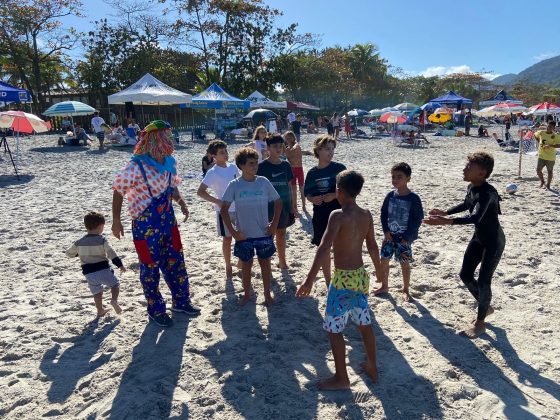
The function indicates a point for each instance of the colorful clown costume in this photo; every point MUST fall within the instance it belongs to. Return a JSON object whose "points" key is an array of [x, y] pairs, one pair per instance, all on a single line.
{"points": [[347, 297], [149, 186]]}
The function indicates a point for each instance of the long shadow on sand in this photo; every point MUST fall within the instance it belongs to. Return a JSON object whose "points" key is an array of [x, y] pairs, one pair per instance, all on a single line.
{"points": [[148, 383], [7, 180], [466, 356], [402, 392], [75, 362], [526, 374], [59, 149], [260, 364]]}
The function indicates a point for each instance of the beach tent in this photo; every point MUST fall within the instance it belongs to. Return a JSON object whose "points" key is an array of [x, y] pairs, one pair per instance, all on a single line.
{"points": [[451, 98], [214, 97], [406, 107], [258, 100], [501, 96], [9, 93], [149, 91], [302, 105]]}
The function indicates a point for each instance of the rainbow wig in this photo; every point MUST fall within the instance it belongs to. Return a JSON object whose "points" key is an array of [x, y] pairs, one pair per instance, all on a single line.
{"points": [[156, 140]]}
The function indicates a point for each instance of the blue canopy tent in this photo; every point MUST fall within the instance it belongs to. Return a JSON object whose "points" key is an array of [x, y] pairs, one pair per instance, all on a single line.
{"points": [[451, 98], [214, 97], [501, 96], [9, 93]]}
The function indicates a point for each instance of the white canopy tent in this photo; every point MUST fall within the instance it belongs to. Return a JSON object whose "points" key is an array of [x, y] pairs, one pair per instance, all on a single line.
{"points": [[149, 91], [258, 100]]}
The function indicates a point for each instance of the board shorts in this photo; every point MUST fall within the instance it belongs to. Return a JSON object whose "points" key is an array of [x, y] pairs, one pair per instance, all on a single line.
{"points": [[221, 228], [100, 135], [287, 219], [298, 175], [347, 298], [402, 252], [320, 219], [246, 249], [549, 164], [98, 279]]}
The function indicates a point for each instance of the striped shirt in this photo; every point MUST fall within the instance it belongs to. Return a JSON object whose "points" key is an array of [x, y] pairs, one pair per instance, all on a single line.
{"points": [[94, 252]]}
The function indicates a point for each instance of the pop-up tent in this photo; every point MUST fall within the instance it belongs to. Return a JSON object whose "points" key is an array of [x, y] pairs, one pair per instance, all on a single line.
{"points": [[501, 96], [451, 98], [149, 91], [9, 93], [258, 100], [214, 97]]}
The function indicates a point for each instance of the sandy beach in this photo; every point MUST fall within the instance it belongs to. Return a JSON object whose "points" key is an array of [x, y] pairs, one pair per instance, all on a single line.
{"points": [[56, 360]]}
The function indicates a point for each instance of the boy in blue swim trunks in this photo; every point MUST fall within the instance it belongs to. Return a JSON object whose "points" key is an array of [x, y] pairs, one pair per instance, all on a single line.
{"points": [[347, 229], [252, 232], [401, 217]]}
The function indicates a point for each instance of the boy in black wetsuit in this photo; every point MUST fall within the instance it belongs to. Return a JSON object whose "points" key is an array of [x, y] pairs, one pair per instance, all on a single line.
{"points": [[487, 244]]}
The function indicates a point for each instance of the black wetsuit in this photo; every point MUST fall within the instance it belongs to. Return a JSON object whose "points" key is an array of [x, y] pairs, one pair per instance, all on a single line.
{"points": [[486, 245]]}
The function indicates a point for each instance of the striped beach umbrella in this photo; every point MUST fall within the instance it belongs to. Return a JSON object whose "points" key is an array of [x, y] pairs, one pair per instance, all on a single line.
{"points": [[544, 108], [69, 109]]}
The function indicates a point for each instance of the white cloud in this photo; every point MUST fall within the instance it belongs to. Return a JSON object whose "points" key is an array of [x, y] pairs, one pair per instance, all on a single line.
{"points": [[544, 56], [445, 71]]}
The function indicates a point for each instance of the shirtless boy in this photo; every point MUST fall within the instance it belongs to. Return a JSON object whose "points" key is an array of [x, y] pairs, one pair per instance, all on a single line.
{"points": [[294, 155], [346, 232]]}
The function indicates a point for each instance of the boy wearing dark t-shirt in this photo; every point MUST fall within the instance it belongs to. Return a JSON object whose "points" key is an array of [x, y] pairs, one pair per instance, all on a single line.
{"points": [[320, 190], [488, 242], [279, 173]]}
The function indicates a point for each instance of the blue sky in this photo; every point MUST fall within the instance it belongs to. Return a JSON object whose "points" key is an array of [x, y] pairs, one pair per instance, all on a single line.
{"points": [[498, 36]]}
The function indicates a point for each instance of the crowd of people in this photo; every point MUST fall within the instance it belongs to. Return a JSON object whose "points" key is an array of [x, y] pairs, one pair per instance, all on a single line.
{"points": [[255, 201]]}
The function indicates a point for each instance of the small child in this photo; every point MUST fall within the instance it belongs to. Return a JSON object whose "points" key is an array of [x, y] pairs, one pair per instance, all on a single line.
{"points": [[488, 241], [280, 175], [401, 217], [348, 228], [259, 142], [93, 250], [217, 178], [253, 232], [294, 155], [320, 190], [348, 127]]}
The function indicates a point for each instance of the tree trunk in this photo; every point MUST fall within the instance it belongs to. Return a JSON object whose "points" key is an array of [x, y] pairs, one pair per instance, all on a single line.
{"points": [[37, 74]]}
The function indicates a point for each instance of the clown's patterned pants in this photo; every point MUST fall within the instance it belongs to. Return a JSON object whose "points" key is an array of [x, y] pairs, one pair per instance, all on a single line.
{"points": [[158, 244]]}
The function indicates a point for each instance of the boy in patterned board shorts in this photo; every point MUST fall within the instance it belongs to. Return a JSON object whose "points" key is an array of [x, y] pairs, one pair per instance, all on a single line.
{"points": [[346, 232], [93, 250], [401, 217], [252, 232]]}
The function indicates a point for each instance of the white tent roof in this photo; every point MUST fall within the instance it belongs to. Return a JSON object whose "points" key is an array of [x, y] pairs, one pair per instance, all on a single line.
{"points": [[150, 91], [258, 100]]}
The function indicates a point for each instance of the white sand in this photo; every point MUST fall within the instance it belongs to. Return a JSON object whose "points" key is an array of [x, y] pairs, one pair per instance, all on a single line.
{"points": [[258, 363]]}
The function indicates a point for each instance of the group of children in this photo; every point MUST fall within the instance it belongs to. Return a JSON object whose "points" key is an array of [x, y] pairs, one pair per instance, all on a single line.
{"points": [[255, 201]]}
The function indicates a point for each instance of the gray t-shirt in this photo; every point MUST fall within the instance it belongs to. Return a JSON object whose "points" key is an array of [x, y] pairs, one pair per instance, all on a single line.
{"points": [[251, 200]]}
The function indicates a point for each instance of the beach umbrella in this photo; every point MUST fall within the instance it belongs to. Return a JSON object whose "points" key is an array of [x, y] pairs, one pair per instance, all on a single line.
{"points": [[21, 122], [406, 107], [376, 112], [388, 109], [436, 117], [430, 106], [260, 114], [544, 108], [502, 108], [69, 109], [393, 117], [357, 113]]}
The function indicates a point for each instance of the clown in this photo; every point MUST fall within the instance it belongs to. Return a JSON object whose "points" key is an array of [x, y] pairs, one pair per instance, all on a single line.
{"points": [[149, 182]]}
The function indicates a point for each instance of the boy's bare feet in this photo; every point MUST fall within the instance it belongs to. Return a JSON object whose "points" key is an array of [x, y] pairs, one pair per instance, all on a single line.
{"points": [[245, 299], [381, 290], [103, 312], [489, 312], [116, 306], [406, 295], [370, 371], [475, 330], [334, 383]]}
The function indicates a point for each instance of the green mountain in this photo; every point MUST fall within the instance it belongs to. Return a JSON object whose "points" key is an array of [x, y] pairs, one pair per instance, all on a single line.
{"points": [[546, 72]]}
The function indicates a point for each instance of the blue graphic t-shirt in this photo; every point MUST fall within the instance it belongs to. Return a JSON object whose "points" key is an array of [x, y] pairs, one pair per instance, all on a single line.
{"points": [[402, 215]]}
